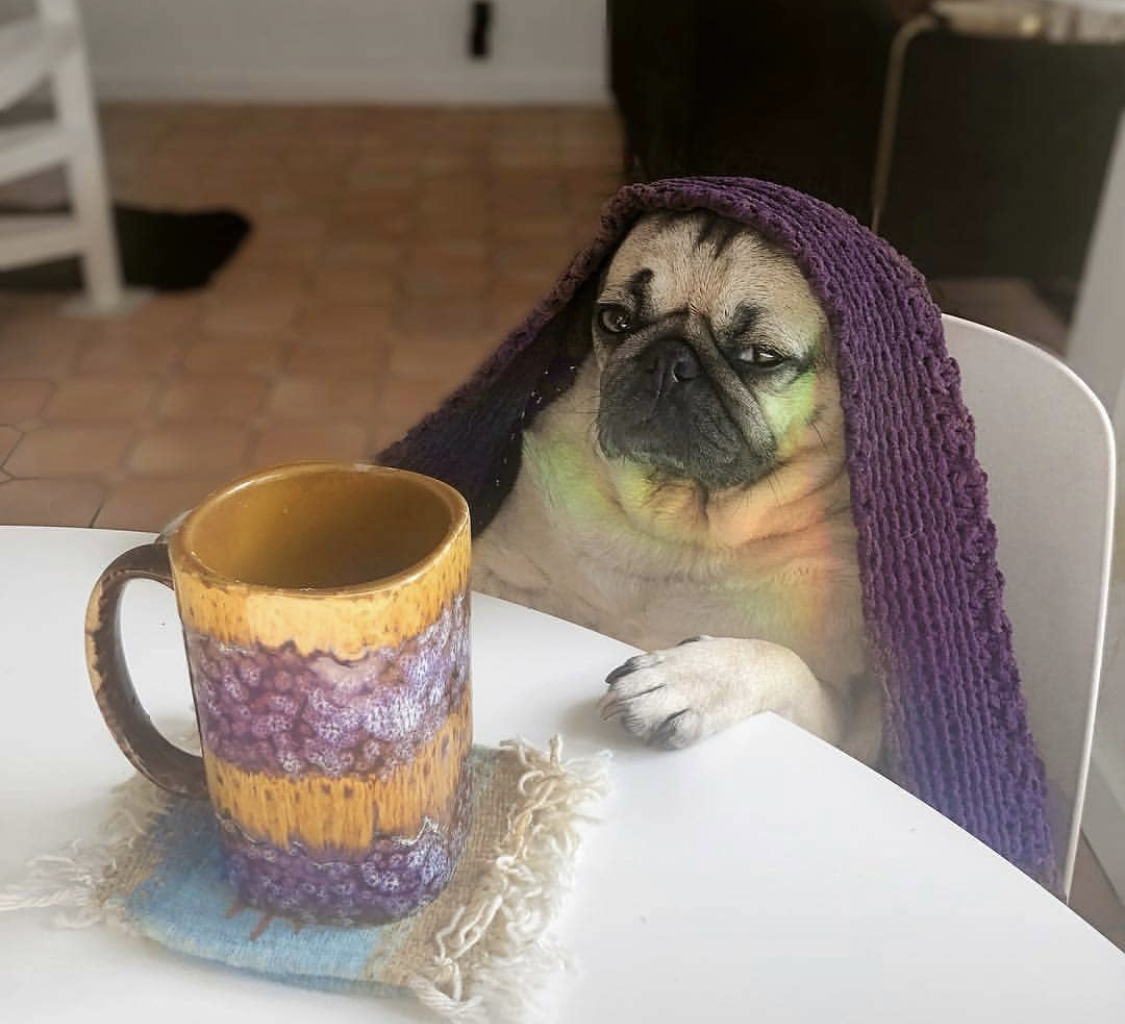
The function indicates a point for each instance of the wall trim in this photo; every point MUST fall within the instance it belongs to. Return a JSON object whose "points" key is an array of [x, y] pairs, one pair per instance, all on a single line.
{"points": [[358, 86]]}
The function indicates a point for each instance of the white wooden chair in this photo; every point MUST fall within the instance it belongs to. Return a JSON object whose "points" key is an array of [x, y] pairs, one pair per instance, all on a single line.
{"points": [[1047, 446], [49, 47]]}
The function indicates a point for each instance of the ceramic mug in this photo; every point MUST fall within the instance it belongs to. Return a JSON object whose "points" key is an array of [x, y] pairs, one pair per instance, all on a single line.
{"points": [[325, 610]]}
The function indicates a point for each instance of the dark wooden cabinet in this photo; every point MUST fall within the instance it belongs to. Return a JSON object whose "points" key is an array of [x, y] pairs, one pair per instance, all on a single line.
{"points": [[1002, 145]]}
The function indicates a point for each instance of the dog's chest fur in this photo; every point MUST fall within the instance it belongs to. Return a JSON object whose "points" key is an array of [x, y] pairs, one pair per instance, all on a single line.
{"points": [[587, 541]]}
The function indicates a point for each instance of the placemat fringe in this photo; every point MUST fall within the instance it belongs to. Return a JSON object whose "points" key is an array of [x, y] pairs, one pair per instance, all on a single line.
{"points": [[75, 877], [502, 933]]}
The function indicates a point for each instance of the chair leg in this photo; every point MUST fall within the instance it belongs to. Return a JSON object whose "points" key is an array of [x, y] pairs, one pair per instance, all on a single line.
{"points": [[85, 170], [888, 121]]}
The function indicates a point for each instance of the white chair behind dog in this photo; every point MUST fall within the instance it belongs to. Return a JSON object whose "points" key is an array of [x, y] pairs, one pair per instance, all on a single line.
{"points": [[1047, 445]]}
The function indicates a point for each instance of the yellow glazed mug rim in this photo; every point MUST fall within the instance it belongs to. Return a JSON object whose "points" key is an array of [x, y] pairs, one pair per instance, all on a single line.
{"points": [[185, 556]]}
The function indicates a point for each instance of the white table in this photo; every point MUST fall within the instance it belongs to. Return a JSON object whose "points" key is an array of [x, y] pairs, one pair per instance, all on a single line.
{"points": [[762, 876]]}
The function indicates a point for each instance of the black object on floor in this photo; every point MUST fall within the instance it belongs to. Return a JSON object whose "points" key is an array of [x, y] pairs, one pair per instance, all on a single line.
{"points": [[159, 249]]}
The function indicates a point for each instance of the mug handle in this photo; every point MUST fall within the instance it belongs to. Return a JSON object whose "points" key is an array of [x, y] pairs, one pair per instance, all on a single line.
{"points": [[151, 754]]}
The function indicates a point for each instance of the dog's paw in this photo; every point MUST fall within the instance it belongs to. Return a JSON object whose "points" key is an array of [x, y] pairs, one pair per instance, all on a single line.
{"points": [[675, 697], [663, 698]]}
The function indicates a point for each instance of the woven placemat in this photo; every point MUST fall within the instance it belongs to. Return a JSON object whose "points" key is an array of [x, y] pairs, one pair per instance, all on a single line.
{"points": [[479, 952]]}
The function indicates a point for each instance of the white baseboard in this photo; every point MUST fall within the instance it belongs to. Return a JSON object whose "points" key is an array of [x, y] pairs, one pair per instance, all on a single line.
{"points": [[1103, 820], [490, 87]]}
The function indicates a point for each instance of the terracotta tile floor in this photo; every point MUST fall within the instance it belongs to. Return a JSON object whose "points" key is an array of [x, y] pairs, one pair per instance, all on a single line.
{"points": [[392, 248]]}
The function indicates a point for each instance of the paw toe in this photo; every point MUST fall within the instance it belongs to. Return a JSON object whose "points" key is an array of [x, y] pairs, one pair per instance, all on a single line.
{"points": [[677, 730], [634, 664], [617, 701]]}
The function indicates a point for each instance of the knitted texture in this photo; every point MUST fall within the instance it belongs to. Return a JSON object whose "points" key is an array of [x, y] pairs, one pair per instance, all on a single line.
{"points": [[956, 731]]}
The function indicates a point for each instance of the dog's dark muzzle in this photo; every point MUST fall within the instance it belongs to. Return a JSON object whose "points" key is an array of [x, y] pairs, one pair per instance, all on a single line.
{"points": [[659, 406], [661, 386], [669, 363]]}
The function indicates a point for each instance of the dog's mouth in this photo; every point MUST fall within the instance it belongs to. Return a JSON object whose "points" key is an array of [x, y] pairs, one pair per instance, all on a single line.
{"points": [[664, 412]]}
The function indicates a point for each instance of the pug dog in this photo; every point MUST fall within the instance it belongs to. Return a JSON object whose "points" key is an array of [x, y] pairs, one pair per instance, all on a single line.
{"points": [[689, 495]]}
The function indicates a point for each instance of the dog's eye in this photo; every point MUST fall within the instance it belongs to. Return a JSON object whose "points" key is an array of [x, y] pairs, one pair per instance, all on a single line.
{"points": [[761, 356], [615, 319]]}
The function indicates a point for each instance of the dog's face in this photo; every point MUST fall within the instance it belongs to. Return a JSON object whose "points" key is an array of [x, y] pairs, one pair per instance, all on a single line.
{"points": [[714, 354]]}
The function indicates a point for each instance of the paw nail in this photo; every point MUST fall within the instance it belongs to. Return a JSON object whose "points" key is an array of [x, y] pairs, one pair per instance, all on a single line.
{"points": [[638, 661], [616, 674], [620, 671]]}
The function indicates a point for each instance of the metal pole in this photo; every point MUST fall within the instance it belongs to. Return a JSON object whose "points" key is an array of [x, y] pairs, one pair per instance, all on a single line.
{"points": [[888, 121]]}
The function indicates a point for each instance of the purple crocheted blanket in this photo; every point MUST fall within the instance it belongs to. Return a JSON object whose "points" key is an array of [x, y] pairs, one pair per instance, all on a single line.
{"points": [[956, 731]]}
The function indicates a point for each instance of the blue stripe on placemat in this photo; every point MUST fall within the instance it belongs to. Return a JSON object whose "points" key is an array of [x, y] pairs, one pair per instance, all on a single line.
{"points": [[186, 906]]}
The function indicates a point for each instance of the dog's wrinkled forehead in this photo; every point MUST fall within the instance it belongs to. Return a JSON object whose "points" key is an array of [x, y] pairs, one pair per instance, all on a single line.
{"points": [[702, 262]]}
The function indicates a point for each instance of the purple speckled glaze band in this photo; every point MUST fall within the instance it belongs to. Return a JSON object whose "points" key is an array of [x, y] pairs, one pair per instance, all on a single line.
{"points": [[395, 877], [278, 711], [316, 766]]}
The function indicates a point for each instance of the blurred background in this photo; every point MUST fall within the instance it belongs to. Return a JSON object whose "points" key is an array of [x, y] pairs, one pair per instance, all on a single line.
{"points": [[302, 223], [398, 182], [407, 203]]}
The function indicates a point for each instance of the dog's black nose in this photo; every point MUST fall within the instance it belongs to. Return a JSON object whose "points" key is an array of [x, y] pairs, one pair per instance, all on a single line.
{"points": [[670, 361]]}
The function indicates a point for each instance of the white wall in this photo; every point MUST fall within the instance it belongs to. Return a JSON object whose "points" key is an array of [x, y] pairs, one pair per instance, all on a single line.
{"points": [[409, 51]]}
